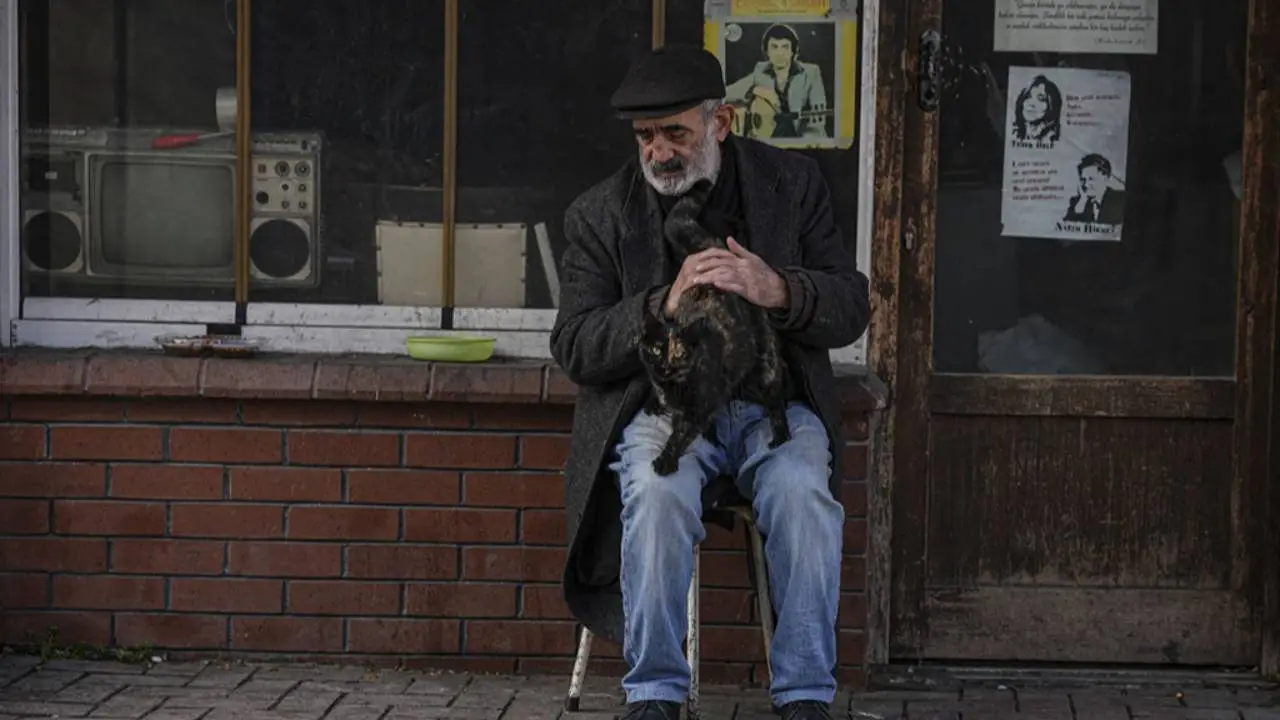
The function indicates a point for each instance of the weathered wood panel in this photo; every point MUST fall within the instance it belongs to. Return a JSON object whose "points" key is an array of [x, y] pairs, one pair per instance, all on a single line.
{"points": [[1083, 396], [1080, 502], [1091, 625]]}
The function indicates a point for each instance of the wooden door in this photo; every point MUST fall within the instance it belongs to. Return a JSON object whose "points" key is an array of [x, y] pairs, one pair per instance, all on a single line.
{"points": [[1077, 390]]}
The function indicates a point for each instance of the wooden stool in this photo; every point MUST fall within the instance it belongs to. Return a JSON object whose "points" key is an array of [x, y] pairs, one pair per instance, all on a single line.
{"points": [[721, 503]]}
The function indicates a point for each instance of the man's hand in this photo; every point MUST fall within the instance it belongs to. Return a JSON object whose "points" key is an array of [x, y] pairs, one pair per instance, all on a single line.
{"points": [[739, 271]]}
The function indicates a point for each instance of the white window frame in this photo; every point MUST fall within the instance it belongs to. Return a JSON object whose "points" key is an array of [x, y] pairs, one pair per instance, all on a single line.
{"points": [[56, 322]]}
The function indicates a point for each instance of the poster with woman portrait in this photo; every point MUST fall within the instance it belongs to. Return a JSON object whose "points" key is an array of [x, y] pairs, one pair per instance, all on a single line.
{"points": [[1066, 152], [790, 68]]}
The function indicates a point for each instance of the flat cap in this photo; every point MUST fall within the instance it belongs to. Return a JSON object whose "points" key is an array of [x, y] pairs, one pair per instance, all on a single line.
{"points": [[668, 81]]}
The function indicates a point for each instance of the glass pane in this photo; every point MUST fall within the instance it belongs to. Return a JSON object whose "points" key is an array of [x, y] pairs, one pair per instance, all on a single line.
{"points": [[108, 210], [685, 25], [1088, 202], [534, 131], [348, 125]]}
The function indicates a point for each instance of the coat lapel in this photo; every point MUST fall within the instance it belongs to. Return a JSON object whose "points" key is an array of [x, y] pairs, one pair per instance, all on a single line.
{"points": [[644, 255], [767, 210]]}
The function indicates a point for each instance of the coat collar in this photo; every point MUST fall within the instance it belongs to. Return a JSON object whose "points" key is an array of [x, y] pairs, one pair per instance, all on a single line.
{"points": [[644, 256]]}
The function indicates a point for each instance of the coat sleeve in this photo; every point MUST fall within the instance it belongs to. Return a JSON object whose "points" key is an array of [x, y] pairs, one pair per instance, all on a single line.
{"points": [[595, 338], [829, 305]]}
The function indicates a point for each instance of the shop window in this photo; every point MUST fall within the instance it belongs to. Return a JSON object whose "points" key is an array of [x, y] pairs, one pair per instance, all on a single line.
{"points": [[107, 209]]}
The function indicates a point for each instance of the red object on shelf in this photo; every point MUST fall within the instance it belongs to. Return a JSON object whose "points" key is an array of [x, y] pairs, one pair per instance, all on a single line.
{"points": [[169, 142]]}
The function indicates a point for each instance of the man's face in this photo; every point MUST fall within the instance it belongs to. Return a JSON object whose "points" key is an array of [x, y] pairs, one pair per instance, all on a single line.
{"points": [[1092, 181], [780, 52], [679, 150]]}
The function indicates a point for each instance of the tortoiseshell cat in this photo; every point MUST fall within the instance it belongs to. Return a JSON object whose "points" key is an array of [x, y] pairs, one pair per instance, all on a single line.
{"points": [[717, 347]]}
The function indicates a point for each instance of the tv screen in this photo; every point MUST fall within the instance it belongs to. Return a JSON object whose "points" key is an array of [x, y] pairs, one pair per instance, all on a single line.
{"points": [[166, 215]]}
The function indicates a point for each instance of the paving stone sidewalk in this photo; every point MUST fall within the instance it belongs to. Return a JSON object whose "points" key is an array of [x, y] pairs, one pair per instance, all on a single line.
{"points": [[235, 691]]}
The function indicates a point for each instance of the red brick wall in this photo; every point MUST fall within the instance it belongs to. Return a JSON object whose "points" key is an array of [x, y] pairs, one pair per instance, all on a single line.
{"points": [[431, 532]]}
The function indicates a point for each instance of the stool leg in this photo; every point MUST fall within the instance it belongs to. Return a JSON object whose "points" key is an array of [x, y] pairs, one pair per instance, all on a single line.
{"points": [[579, 676], [763, 594], [694, 634]]}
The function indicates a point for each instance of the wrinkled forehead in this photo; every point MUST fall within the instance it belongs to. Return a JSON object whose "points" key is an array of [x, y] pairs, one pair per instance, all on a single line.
{"points": [[690, 120]]}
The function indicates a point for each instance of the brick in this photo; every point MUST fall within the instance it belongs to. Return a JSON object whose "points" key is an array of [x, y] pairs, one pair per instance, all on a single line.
{"points": [[348, 523], [720, 538], [24, 517], [547, 418], [433, 416], [857, 426], [853, 573], [725, 569], [408, 637], [343, 598], [543, 527], [390, 381], [167, 557], [451, 525], [284, 559], [193, 411], [287, 634], [853, 611], [520, 490], [30, 627], [851, 647], [403, 487], [90, 442], [166, 482], [558, 388], [227, 520], [288, 378], [203, 632], [104, 592], [43, 373], [507, 383], [545, 602], [226, 445], [854, 461], [732, 642], [855, 537], [226, 595], [284, 484], [516, 563], [402, 562], [728, 606], [544, 452], [24, 590], [22, 442], [297, 413], [358, 449], [853, 495], [66, 409], [446, 450], [515, 637], [49, 479], [142, 375], [93, 517], [460, 600]]}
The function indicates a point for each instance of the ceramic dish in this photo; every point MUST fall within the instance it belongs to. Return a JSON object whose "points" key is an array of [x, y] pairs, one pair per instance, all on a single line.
{"points": [[450, 349]]}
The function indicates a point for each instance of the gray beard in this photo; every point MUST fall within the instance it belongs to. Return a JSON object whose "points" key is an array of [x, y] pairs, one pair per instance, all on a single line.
{"points": [[706, 165]]}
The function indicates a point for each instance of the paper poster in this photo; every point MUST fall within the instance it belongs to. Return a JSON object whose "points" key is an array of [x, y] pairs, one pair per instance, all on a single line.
{"points": [[1077, 26], [1065, 153], [790, 68]]}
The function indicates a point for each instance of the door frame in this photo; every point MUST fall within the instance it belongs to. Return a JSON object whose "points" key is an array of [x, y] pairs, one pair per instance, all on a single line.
{"points": [[900, 335]]}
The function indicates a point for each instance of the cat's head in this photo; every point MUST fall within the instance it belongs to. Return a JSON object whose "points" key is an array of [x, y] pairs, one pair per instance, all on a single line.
{"points": [[663, 350]]}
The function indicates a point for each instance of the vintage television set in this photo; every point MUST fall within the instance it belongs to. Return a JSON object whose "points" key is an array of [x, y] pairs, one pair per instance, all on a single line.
{"points": [[151, 208]]}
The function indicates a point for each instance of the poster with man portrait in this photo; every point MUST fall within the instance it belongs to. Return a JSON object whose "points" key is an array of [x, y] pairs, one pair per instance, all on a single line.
{"points": [[790, 68], [1066, 153]]}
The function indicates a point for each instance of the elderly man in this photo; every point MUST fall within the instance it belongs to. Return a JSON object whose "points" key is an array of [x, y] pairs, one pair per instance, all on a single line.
{"points": [[632, 532]]}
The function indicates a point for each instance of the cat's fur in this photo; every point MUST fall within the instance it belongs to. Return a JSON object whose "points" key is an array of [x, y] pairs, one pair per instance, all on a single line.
{"points": [[717, 347]]}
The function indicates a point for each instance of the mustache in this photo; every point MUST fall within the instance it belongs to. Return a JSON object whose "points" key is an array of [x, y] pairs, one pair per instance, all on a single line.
{"points": [[675, 164]]}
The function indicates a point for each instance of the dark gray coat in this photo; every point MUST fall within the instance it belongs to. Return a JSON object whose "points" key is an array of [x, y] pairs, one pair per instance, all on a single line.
{"points": [[614, 262]]}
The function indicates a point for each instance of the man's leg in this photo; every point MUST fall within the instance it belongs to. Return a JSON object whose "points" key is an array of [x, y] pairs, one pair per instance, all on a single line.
{"points": [[803, 527], [661, 522]]}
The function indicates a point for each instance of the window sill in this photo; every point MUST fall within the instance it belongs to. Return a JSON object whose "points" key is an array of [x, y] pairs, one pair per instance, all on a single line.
{"points": [[316, 377]]}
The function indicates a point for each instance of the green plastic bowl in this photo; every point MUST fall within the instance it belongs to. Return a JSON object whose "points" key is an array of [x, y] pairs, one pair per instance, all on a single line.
{"points": [[450, 348]]}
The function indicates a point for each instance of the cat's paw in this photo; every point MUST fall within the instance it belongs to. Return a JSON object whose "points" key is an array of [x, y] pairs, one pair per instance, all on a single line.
{"points": [[665, 464]]}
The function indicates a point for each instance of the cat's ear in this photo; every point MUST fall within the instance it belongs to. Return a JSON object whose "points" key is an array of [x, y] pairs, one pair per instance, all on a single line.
{"points": [[652, 327]]}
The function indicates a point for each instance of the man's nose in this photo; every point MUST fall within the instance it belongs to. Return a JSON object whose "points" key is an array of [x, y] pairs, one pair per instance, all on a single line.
{"points": [[661, 151]]}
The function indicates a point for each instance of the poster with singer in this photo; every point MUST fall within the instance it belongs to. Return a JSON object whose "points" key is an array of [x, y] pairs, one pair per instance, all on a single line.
{"points": [[1066, 153]]}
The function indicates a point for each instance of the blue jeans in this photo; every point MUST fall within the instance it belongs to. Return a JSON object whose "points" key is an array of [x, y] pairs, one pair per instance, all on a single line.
{"points": [[795, 511]]}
